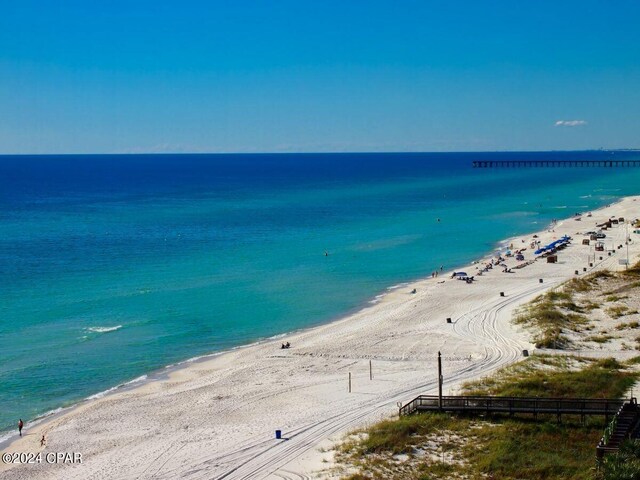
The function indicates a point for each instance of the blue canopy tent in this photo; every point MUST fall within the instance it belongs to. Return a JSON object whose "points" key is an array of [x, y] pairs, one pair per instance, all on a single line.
{"points": [[564, 240]]}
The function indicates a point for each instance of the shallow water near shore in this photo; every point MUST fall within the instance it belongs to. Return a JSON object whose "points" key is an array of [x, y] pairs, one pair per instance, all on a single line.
{"points": [[115, 266]]}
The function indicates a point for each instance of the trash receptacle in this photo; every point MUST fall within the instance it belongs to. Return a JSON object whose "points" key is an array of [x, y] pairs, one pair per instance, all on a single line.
{"points": [[278, 434]]}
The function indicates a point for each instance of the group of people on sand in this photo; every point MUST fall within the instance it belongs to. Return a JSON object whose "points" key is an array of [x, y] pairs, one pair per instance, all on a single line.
{"points": [[285, 346], [495, 262], [498, 262], [434, 274]]}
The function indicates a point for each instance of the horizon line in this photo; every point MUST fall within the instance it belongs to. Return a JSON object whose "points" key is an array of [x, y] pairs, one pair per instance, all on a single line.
{"points": [[390, 152]]}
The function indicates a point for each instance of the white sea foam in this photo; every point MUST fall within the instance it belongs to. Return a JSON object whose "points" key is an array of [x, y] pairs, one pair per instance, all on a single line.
{"points": [[279, 335], [103, 329], [112, 389], [6, 436], [376, 299], [101, 394]]}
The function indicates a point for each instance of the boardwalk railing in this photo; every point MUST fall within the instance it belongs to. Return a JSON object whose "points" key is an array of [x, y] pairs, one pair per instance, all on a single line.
{"points": [[512, 405], [623, 426]]}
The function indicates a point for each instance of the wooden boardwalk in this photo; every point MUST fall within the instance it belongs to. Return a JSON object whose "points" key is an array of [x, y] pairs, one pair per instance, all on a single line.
{"points": [[555, 163], [512, 405]]}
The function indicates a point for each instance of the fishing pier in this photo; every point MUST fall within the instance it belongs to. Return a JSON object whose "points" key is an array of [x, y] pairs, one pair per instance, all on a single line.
{"points": [[555, 163]]}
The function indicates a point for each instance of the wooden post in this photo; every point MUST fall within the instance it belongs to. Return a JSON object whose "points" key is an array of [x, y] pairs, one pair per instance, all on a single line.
{"points": [[349, 382], [439, 381], [370, 371]]}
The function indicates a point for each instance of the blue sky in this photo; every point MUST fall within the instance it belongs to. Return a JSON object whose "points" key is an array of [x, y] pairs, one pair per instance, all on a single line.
{"points": [[279, 75]]}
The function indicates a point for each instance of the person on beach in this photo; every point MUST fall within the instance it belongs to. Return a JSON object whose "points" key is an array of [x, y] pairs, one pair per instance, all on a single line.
{"points": [[42, 441], [20, 425]]}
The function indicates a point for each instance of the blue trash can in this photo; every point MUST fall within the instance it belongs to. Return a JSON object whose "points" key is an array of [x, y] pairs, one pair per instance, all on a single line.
{"points": [[278, 434]]}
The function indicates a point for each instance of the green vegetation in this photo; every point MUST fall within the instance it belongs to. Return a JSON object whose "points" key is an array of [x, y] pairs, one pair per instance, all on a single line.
{"points": [[552, 314], [624, 326], [579, 285], [624, 465], [617, 311], [633, 272], [598, 338], [558, 376], [503, 449], [396, 436], [442, 446], [626, 287], [615, 298], [589, 306], [556, 314]]}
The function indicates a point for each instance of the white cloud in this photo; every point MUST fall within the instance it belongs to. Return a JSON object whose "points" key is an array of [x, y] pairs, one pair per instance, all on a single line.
{"points": [[570, 123]]}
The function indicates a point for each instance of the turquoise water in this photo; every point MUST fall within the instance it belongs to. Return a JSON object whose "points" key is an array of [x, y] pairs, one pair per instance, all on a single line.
{"points": [[114, 266]]}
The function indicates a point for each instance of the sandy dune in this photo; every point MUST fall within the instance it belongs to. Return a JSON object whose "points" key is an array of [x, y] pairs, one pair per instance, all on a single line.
{"points": [[216, 418]]}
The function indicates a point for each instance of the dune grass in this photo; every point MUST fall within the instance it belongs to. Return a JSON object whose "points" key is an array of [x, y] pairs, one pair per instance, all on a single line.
{"points": [[624, 465], [551, 315], [557, 313], [632, 272], [549, 376]]}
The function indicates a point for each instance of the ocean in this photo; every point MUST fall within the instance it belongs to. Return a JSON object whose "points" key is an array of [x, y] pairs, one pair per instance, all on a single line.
{"points": [[115, 266]]}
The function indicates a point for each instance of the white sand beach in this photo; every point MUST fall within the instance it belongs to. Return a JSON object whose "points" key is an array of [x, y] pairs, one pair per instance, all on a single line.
{"points": [[216, 418]]}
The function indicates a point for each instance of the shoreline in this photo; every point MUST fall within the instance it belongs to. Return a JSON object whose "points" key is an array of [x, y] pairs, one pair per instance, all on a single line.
{"points": [[162, 373], [172, 374]]}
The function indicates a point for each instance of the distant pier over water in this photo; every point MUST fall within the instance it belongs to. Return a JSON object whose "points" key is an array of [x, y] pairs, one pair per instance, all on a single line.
{"points": [[554, 163]]}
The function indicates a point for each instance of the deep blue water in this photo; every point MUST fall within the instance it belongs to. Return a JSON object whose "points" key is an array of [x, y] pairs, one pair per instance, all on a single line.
{"points": [[113, 266]]}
